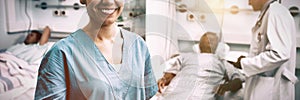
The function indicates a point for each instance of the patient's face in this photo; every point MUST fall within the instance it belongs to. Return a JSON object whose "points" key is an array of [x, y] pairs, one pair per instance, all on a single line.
{"points": [[32, 38]]}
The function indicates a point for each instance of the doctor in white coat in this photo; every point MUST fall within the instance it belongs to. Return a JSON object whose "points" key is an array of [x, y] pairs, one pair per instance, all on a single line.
{"points": [[270, 66]]}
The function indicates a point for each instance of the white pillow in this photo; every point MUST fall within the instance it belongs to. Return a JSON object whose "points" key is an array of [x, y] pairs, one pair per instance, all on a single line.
{"points": [[196, 48], [222, 50]]}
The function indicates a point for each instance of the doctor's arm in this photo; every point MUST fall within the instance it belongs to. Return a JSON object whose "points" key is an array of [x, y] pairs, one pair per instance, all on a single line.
{"points": [[280, 36]]}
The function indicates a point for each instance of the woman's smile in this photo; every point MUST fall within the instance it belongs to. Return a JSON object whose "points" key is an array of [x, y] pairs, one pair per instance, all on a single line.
{"points": [[108, 11]]}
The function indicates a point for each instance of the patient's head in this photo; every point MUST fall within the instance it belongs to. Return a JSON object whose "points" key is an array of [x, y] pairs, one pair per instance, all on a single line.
{"points": [[208, 42], [33, 37]]}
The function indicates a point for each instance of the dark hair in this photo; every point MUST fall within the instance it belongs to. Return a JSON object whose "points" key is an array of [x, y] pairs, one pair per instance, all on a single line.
{"points": [[35, 31], [39, 34]]}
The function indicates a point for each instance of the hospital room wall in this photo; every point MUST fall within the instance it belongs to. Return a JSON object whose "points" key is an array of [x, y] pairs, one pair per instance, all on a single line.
{"points": [[6, 40], [236, 28], [15, 23], [63, 23], [68, 22]]}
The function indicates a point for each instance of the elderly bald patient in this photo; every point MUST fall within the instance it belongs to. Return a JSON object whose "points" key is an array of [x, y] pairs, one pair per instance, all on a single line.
{"points": [[195, 76]]}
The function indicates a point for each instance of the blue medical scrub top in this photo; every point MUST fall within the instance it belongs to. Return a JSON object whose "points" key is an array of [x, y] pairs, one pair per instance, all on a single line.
{"points": [[74, 68]]}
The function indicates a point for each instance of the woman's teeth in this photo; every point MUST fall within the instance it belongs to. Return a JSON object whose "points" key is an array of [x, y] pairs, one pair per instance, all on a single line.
{"points": [[108, 11]]}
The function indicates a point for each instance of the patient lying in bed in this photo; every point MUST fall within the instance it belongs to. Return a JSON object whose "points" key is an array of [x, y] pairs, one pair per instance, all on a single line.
{"points": [[19, 65], [196, 76], [33, 48]]}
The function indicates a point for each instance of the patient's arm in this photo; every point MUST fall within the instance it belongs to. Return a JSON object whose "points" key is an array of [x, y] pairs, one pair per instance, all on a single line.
{"points": [[232, 72], [234, 79], [232, 86], [45, 36], [165, 81], [173, 66]]}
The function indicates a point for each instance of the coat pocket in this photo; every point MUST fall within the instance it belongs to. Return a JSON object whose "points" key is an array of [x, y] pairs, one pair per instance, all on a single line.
{"points": [[290, 76], [263, 90]]}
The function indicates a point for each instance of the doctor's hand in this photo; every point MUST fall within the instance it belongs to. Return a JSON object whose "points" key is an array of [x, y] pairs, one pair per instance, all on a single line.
{"points": [[164, 81], [232, 85], [237, 64]]}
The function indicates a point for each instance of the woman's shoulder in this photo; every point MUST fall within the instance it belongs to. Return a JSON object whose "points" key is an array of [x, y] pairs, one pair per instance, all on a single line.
{"points": [[69, 40], [130, 35], [64, 43], [132, 38]]}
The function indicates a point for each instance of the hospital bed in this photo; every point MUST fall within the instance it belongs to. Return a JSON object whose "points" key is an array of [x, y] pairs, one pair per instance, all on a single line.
{"points": [[18, 76], [186, 46]]}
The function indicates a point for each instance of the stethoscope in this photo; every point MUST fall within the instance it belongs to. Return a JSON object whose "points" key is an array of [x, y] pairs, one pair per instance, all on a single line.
{"points": [[259, 22]]}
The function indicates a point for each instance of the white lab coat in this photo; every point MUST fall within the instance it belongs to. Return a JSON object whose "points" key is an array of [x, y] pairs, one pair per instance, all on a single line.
{"points": [[270, 67]]}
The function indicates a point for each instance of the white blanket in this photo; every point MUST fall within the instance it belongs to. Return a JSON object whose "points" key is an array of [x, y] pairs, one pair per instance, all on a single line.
{"points": [[16, 77], [18, 70], [32, 53]]}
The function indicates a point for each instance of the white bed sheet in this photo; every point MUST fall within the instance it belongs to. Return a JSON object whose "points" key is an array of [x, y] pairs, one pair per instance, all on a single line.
{"points": [[18, 75]]}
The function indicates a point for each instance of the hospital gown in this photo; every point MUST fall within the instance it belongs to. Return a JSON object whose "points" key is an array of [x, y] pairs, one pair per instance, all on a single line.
{"points": [[197, 75], [90, 76]]}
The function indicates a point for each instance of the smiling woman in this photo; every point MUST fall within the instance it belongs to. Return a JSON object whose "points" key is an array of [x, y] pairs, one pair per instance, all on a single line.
{"points": [[98, 62]]}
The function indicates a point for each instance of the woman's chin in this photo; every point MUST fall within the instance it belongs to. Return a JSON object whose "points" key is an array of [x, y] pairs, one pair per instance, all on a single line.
{"points": [[108, 22]]}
